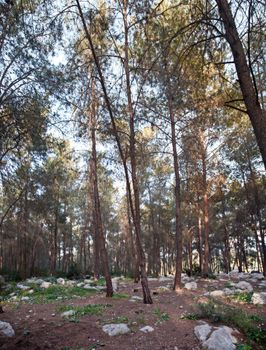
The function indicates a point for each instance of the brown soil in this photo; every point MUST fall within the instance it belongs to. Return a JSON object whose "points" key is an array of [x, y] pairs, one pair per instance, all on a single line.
{"points": [[41, 326]]}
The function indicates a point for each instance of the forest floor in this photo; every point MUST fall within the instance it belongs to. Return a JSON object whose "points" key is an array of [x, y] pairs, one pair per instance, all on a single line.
{"points": [[39, 324]]}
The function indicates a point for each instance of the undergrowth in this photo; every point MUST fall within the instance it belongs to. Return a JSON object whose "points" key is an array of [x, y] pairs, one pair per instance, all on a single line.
{"points": [[250, 326]]}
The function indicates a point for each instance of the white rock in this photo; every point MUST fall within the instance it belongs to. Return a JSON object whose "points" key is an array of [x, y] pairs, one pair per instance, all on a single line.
{"points": [[219, 340], [90, 287], [39, 281], [22, 287], [68, 313], [259, 298], [228, 291], [202, 332], [60, 281], [115, 283], [230, 331], [25, 299], [217, 293], [6, 329], [258, 276], [165, 279], [243, 285], [45, 285], [81, 284], [135, 298], [70, 283], [116, 329], [164, 288], [152, 279], [191, 286], [146, 329]]}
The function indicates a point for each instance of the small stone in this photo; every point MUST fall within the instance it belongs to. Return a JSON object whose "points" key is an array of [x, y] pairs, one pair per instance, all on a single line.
{"points": [[243, 285], [6, 329], [202, 332], [116, 329], [191, 286], [45, 285], [259, 298], [217, 293], [22, 286], [68, 313], [60, 281], [25, 299], [146, 329]]}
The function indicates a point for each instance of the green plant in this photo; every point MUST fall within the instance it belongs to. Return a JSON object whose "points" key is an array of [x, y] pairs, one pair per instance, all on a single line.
{"points": [[243, 347], [217, 311], [120, 296], [162, 316], [191, 316], [243, 297], [118, 319], [90, 309]]}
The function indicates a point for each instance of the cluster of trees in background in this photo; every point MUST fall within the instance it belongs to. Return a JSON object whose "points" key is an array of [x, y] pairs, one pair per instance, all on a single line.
{"points": [[168, 100]]}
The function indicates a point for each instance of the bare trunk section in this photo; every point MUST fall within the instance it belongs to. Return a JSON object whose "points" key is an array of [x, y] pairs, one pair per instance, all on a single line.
{"points": [[256, 114], [146, 293], [100, 239], [178, 230], [135, 184]]}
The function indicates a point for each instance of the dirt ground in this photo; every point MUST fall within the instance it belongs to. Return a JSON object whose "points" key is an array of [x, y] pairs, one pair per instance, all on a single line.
{"points": [[41, 326]]}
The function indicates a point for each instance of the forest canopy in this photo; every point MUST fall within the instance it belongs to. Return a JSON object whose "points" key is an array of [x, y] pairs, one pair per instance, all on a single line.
{"points": [[132, 138]]}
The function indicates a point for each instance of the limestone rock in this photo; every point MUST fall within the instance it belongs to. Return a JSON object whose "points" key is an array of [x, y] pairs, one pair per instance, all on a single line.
{"points": [[202, 332], [217, 293], [116, 329], [147, 329], [22, 286], [243, 285], [219, 340], [191, 285], [115, 283], [25, 299], [60, 281], [68, 313], [45, 285], [165, 278], [6, 329], [259, 298], [135, 298]]}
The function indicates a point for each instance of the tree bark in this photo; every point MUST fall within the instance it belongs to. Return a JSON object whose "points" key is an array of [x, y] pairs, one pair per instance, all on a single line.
{"points": [[256, 114], [135, 184], [99, 238], [178, 230]]}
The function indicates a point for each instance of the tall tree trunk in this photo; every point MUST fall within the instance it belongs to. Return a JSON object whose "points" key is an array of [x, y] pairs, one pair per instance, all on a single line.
{"points": [[206, 257], [178, 230], [146, 293], [246, 79], [97, 207], [135, 184]]}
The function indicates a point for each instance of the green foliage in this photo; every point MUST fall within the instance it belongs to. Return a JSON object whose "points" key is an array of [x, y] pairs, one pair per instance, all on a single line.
{"points": [[120, 296], [80, 311], [243, 347], [191, 316], [118, 319], [219, 312], [162, 316], [56, 292], [243, 297]]}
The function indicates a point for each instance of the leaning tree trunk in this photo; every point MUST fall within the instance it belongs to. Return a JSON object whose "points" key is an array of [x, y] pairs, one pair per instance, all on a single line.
{"points": [[135, 184], [246, 79], [146, 293]]}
